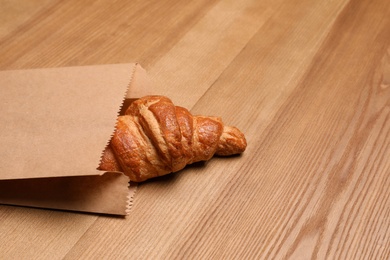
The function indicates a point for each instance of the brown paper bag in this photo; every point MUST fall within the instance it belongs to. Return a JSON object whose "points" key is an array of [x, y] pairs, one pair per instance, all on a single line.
{"points": [[54, 125]]}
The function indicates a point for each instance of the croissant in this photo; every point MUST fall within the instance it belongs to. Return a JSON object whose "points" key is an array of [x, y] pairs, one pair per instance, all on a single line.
{"points": [[154, 137]]}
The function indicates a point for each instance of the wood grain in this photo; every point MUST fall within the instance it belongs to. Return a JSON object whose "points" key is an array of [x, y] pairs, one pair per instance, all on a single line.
{"points": [[307, 81]]}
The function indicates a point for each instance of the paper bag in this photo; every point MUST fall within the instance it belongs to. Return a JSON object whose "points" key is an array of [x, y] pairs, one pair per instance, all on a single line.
{"points": [[54, 126]]}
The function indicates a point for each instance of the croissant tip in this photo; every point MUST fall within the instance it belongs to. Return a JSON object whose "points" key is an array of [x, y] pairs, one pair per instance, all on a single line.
{"points": [[232, 141]]}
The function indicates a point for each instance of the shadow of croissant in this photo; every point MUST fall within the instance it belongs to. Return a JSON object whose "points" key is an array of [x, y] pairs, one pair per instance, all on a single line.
{"points": [[171, 177], [195, 167]]}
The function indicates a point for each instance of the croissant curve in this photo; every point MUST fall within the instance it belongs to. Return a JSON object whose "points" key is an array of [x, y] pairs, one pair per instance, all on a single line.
{"points": [[154, 137]]}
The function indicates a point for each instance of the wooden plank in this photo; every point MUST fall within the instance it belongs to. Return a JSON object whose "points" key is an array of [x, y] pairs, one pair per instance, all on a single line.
{"points": [[188, 233], [17, 14], [307, 81], [40, 234], [67, 33], [201, 55]]}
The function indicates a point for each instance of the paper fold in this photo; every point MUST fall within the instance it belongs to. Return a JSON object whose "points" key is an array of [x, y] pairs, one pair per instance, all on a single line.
{"points": [[54, 125]]}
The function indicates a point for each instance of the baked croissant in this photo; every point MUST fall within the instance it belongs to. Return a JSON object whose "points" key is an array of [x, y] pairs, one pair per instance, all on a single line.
{"points": [[154, 137]]}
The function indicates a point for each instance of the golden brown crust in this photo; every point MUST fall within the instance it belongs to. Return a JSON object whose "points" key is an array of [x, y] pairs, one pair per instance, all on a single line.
{"points": [[232, 141], [109, 161], [154, 138], [207, 132], [184, 119]]}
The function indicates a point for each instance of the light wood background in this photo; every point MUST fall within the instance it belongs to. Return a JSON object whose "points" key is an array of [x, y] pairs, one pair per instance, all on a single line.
{"points": [[308, 82]]}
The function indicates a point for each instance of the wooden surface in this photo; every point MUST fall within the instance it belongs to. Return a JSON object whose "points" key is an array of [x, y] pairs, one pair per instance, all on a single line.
{"points": [[308, 82]]}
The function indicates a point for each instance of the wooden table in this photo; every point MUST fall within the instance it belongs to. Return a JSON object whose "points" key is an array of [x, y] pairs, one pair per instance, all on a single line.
{"points": [[308, 82]]}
